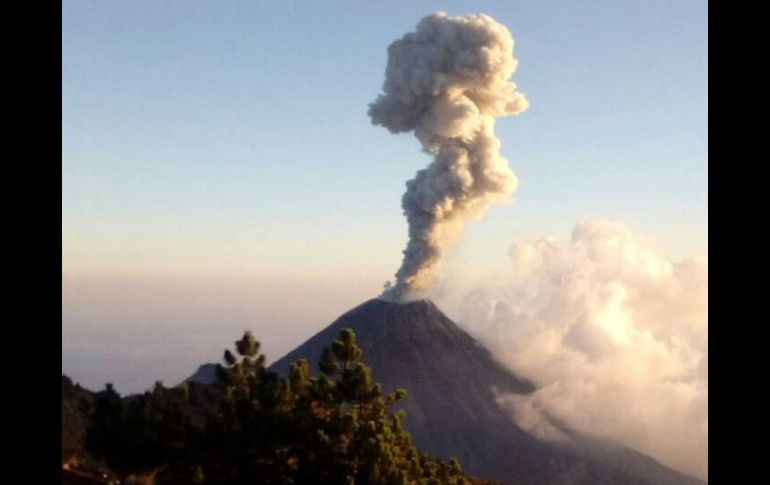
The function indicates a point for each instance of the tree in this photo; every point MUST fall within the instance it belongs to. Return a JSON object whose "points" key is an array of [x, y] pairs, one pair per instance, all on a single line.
{"points": [[143, 433], [333, 428]]}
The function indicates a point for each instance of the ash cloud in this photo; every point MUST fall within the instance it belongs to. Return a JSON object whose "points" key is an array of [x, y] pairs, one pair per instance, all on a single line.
{"points": [[447, 82], [614, 335]]}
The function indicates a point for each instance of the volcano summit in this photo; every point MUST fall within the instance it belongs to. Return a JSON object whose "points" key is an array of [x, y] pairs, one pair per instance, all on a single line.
{"points": [[452, 381]]}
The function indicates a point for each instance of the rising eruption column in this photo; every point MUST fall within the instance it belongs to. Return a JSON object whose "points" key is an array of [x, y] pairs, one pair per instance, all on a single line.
{"points": [[447, 82]]}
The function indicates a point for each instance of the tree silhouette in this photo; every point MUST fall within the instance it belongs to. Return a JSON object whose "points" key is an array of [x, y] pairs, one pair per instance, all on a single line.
{"points": [[333, 428]]}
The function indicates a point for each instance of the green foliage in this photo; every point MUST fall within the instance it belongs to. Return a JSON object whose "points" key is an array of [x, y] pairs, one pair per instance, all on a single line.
{"points": [[334, 428], [141, 433]]}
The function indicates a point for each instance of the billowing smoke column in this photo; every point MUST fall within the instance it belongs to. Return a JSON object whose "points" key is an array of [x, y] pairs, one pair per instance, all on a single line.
{"points": [[447, 82]]}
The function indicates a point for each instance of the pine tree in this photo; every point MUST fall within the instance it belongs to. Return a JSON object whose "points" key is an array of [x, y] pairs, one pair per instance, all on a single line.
{"points": [[335, 428]]}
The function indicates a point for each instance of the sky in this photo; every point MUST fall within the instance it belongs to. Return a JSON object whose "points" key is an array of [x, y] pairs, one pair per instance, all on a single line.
{"points": [[220, 172]]}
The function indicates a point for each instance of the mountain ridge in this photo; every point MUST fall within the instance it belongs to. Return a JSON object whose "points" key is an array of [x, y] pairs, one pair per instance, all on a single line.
{"points": [[451, 408]]}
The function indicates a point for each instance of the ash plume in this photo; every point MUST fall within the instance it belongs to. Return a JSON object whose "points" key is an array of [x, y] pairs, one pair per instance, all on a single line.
{"points": [[447, 82]]}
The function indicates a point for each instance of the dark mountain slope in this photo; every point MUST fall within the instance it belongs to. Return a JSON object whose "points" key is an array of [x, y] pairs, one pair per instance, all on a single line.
{"points": [[451, 410]]}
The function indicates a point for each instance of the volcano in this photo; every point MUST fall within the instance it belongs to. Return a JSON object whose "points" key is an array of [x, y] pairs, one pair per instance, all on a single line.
{"points": [[451, 381]]}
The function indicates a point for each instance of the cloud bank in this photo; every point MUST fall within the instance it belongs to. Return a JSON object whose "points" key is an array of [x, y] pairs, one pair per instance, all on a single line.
{"points": [[447, 82], [614, 335]]}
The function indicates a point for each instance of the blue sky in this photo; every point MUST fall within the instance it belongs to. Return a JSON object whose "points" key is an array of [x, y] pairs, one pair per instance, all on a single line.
{"points": [[231, 138]]}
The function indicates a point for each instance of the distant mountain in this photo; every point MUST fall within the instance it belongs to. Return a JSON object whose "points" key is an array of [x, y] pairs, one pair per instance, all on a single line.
{"points": [[451, 409], [206, 374]]}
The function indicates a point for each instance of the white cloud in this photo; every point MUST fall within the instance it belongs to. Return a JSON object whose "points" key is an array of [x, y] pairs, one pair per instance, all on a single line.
{"points": [[614, 334]]}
